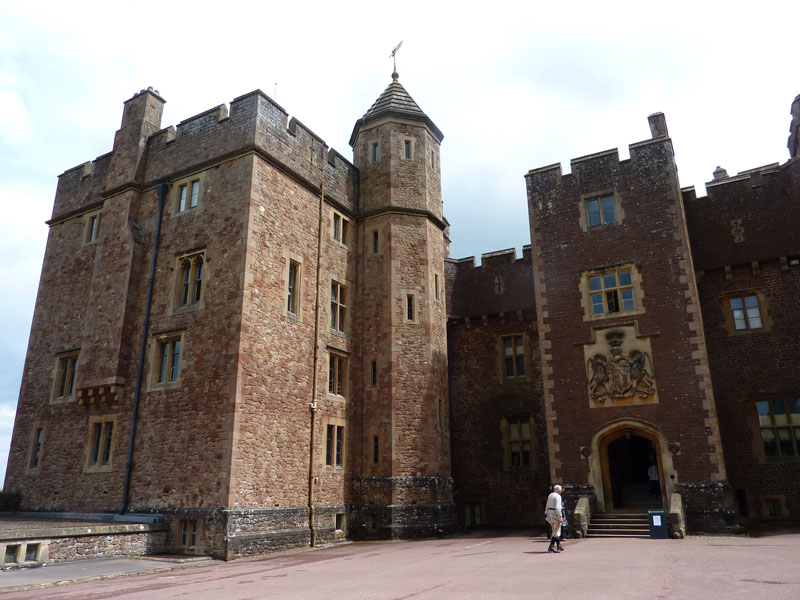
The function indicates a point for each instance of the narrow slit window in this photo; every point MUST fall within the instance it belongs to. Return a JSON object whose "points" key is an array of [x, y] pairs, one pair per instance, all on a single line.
{"points": [[36, 451]]}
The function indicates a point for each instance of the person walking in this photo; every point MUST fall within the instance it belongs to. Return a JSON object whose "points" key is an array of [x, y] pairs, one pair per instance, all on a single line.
{"points": [[555, 517]]}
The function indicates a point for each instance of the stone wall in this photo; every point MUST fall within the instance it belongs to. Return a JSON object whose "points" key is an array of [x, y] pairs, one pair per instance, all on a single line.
{"points": [[649, 238]]}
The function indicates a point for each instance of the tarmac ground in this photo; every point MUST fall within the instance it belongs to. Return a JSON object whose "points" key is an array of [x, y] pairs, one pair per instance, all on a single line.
{"points": [[479, 565]]}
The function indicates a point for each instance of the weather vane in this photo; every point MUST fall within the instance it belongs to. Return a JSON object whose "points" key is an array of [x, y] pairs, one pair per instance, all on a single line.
{"points": [[394, 52]]}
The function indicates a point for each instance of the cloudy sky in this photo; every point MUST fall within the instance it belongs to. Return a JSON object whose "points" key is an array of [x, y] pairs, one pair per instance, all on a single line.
{"points": [[513, 86]]}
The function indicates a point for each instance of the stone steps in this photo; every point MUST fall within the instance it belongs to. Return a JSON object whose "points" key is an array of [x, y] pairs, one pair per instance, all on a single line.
{"points": [[625, 525]]}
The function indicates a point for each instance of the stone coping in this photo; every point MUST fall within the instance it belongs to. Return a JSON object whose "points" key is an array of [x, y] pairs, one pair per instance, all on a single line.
{"points": [[17, 527]]}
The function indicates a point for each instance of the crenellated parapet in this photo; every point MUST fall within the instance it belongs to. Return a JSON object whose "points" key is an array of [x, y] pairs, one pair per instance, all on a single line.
{"points": [[745, 218], [254, 123], [502, 283]]}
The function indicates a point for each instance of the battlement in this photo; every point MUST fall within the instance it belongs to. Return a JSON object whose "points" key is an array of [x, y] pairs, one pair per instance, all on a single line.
{"points": [[641, 153], [744, 218], [755, 175], [502, 283], [254, 122]]}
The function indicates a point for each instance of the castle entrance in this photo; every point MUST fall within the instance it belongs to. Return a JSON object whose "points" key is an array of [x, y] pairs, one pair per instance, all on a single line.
{"points": [[625, 477]]}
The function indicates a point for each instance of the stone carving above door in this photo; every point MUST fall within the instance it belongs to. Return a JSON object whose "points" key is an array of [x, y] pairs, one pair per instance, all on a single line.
{"points": [[619, 369]]}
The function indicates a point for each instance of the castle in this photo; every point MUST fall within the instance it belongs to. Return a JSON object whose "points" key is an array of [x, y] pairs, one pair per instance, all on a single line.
{"points": [[269, 346]]}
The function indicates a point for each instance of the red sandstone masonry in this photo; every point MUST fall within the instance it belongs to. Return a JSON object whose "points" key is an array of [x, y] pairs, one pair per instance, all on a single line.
{"points": [[650, 235]]}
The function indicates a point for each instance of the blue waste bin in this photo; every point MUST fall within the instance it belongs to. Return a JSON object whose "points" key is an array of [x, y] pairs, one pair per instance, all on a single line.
{"points": [[657, 520]]}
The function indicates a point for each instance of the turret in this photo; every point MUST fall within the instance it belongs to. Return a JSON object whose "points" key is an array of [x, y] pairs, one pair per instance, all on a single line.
{"points": [[405, 487]]}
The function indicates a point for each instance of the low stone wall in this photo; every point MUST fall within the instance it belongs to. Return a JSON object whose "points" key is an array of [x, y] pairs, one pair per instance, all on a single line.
{"points": [[104, 546], [26, 540], [708, 507]]}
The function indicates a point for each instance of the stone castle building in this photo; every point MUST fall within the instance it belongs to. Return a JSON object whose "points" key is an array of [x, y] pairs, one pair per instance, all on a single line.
{"points": [[268, 345]]}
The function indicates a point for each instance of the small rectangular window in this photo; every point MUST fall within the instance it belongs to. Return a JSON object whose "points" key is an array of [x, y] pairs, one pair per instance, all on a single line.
{"points": [[513, 356], [409, 307], [376, 154], [340, 230], [611, 292], [338, 306], [169, 360], [334, 446], [375, 450], [601, 211], [188, 195], [518, 451], [407, 149], [337, 375], [436, 285], [373, 373], [188, 533], [191, 272], [746, 312], [329, 445], [339, 445], [779, 420], [195, 194], [292, 292], [66, 370], [12, 553], [92, 226], [36, 450], [100, 443], [31, 552], [182, 194], [375, 242]]}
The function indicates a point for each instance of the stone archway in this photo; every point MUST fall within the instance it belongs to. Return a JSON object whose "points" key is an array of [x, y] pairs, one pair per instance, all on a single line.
{"points": [[619, 453]]}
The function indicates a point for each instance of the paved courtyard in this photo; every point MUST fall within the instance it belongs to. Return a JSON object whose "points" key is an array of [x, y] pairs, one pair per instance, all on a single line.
{"points": [[490, 564]]}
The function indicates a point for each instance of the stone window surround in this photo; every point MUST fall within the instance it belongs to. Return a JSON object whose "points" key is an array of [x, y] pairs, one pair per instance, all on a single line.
{"points": [[160, 338], [505, 435], [757, 442], [342, 229], [400, 140], [330, 427], [175, 196], [91, 230], [779, 500], [338, 315], [416, 306], [175, 301], [504, 378], [64, 361], [727, 312], [37, 426], [188, 548], [583, 211], [636, 282], [289, 258], [100, 466], [338, 373]]}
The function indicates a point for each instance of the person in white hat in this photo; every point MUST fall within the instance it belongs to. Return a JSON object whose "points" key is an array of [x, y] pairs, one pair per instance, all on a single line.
{"points": [[555, 518]]}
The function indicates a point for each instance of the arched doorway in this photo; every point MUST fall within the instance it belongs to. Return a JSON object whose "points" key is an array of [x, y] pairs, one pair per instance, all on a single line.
{"points": [[629, 461], [629, 458], [626, 455]]}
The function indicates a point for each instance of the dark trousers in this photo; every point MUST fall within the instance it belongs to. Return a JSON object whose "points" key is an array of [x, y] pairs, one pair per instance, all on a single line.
{"points": [[655, 488]]}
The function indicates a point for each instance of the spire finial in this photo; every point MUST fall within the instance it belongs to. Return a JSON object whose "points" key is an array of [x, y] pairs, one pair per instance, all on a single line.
{"points": [[395, 76]]}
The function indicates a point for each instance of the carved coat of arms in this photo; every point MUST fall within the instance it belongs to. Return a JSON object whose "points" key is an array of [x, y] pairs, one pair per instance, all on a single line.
{"points": [[618, 376]]}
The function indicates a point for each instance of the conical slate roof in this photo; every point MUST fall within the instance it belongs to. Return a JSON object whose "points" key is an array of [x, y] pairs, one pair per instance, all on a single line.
{"points": [[395, 100]]}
